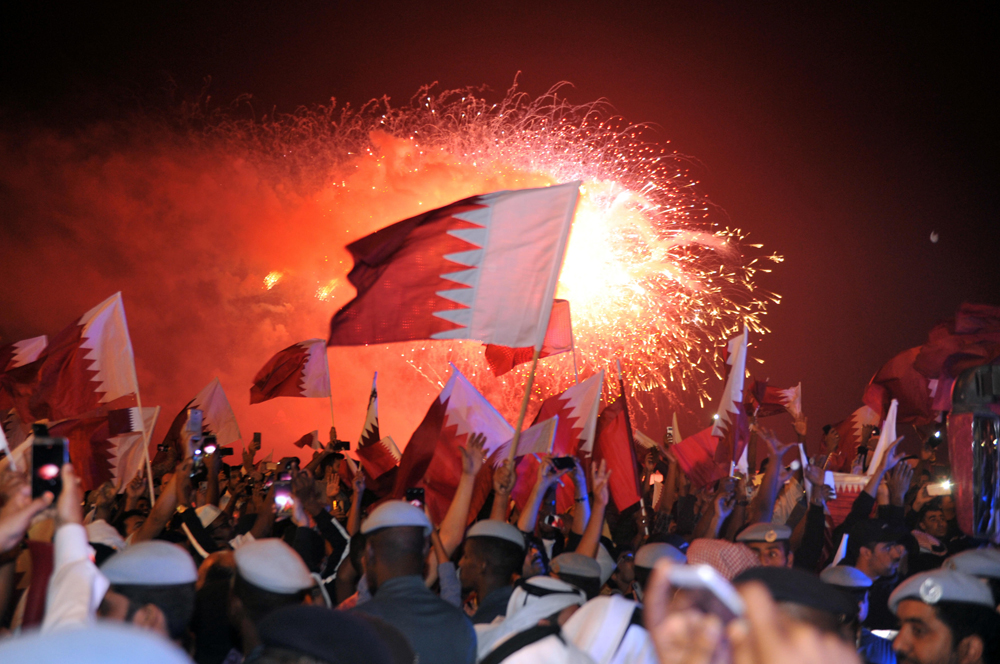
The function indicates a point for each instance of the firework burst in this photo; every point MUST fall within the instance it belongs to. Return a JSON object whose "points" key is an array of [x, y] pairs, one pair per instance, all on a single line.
{"points": [[654, 273]]}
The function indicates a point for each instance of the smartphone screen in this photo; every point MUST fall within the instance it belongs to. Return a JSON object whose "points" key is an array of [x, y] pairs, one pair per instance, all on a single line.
{"points": [[415, 497], [284, 502], [47, 458], [563, 462]]}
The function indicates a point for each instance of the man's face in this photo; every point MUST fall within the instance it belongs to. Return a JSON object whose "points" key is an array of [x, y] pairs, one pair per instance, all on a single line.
{"points": [[771, 554], [886, 557], [534, 564], [133, 523], [934, 524], [469, 566], [922, 638]]}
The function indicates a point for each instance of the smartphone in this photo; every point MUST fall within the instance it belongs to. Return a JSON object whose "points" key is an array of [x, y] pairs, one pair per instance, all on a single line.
{"points": [[939, 489], [48, 455], [701, 587], [563, 462], [256, 437], [284, 502], [415, 497], [209, 444], [193, 427]]}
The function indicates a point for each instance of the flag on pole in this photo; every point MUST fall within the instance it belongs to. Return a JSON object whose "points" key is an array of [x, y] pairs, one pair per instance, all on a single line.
{"points": [[310, 440], [369, 432], [23, 352], [886, 438], [88, 364], [696, 457], [106, 447], [454, 272], [765, 401], [614, 446], [558, 339], [536, 439], [432, 459], [218, 419], [731, 417], [300, 370], [577, 409], [377, 455]]}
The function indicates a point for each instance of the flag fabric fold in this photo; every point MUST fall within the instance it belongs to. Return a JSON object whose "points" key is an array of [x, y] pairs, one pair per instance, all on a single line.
{"points": [[558, 339], [899, 379], [732, 427], [696, 457], [432, 458], [451, 273], [614, 446], [536, 439], [765, 401], [301, 370], [310, 440], [86, 366]]}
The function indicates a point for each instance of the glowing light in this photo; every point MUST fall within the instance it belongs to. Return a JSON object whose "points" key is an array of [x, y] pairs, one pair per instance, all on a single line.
{"points": [[325, 293], [272, 279], [654, 271]]}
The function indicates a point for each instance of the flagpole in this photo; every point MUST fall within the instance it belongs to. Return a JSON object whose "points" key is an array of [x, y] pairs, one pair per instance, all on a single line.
{"points": [[631, 443], [524, 405], [145, 437], [572, 347], [329, 382]]}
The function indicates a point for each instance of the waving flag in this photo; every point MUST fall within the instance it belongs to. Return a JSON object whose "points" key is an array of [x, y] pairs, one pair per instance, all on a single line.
{"points": [[696, 457], [22, 352], [457, 272], [85, 366], [614, 446], [558, 339], [765, 401], [731, 417], [577, 409], [310, 440], [849, 431], [301, 370], [536, 439], [217, 419], [378, 455], [432, 459]]}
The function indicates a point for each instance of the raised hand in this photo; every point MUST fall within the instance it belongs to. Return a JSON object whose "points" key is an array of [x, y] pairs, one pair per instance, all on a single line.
{"points": [[600, 476], [898, 482], [801, 425], [504, 478], [472, 454], [548, 474], [18, 509], [831, 441], [358, 483], [137, 486]]}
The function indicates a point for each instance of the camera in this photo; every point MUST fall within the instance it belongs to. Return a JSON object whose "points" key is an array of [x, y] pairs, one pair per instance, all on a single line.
{"points": [[563, 462], [415, 497]]}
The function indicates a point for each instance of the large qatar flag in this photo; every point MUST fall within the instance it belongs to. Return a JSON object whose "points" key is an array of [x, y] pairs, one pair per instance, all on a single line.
{"points": [[483, 268]]}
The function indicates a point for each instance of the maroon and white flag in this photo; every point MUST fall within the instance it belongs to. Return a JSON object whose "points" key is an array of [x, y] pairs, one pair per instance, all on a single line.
{"points": [[22, 352], [432, 459], [377, 455], [558, 339], [218, 418], [731, 417], [87, 365], [301, 370], [536, 439], [483, 268], [310, 440]]}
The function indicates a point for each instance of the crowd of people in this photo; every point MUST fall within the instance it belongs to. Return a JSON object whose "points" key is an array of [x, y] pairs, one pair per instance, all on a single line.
{"points": [[748, 569]]}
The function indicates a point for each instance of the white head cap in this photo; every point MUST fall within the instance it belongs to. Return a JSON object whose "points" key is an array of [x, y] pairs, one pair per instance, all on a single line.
{"points": [[396, 514], [96, 644], [845, 576], [498, 529], [153, 563], [942, 585], [274, 566], [207, 514], [648, 554], [983, 563]]}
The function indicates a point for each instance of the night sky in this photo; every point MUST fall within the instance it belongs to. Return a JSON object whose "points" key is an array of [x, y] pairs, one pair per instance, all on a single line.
{"points": [[840, 137]]}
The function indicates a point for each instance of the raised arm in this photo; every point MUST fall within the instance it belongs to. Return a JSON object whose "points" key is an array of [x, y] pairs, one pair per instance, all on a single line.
{"points": [[179, 488], [503, 483], [547, 476], [354, 516], [599, 476], [581, 508], [457, 516], [762, 506]]}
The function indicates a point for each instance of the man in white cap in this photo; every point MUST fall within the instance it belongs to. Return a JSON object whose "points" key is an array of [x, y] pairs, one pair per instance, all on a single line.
{"points": [[493, 554], [582, 571], [946, 618], [269, 575], [396, 546], [771, 542], [536, 612], [984, 564], [855, 584], [100, 643], [152, 585], [645, 561]]}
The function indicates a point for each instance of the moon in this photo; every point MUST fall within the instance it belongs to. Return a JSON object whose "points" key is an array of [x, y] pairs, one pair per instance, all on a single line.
{"points": [[935, 237]]}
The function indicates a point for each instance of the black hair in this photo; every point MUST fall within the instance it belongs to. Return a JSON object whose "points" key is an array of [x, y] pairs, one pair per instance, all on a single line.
{"points": [[176, 601], [401, 548], [503, 559], [120, 521], [933, 505], [965, 619], [258, 602]]}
